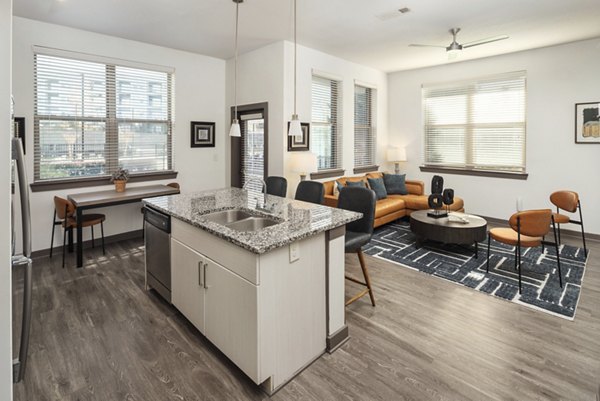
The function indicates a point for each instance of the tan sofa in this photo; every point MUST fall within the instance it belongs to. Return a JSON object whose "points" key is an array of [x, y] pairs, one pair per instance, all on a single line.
{"points": [[394, 206]]}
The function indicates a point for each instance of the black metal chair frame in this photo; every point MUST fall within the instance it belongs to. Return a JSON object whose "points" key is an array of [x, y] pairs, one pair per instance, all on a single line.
{"points": [[518, 251]]}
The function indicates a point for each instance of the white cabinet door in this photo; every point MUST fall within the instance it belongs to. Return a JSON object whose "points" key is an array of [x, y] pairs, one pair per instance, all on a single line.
{"points": [[231, 317], [187, 282]]}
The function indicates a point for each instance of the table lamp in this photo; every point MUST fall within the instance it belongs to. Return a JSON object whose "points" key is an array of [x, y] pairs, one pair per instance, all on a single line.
{"points": [[304, 163], [396, 155]]}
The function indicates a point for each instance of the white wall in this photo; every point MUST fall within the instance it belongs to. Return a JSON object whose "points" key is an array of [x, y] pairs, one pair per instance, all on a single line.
{"points": [[5, 270], [309, 60], [267, 75], [260, 79], [199, 96], [557, 78]]}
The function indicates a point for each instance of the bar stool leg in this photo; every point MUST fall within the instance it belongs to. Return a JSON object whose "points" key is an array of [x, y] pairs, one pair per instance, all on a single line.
{"points": [[63, 247], [102, 232], [363, 266], [93, 246], [53, 227]]}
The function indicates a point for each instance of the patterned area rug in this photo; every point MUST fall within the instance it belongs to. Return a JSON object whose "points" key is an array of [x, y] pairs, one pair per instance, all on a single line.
{"points": [[541, 290]]}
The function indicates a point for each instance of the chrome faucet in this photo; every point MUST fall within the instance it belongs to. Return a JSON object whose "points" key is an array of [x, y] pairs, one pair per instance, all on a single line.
{"points": [[264, 191]]}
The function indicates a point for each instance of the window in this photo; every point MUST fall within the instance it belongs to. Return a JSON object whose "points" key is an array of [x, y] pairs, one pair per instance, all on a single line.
{"points": [[476, 125], [365, 142], [325, 138], [90, 118]]}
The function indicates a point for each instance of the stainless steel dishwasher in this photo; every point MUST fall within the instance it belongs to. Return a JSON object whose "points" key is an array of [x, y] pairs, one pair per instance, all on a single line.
{"points": [[157, 238]]}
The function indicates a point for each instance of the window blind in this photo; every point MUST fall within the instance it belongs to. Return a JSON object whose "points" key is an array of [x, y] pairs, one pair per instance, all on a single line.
{"points": [[365, 140], [253, 155], [90, 118], [477, 124], [325, 138]]}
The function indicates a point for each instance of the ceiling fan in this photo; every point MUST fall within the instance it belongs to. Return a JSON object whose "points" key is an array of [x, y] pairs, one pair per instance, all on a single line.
{"points": [[455, 47]]}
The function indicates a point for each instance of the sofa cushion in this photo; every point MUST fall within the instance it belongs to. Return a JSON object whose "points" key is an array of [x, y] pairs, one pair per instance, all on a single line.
{"points": [[395, 183], [420, 202], [378, 187], [387, 206], [359, 184]]}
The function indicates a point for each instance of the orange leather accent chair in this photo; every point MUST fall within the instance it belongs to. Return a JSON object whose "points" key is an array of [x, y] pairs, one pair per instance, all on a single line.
{"points": [[527, 229], [568, 201]]}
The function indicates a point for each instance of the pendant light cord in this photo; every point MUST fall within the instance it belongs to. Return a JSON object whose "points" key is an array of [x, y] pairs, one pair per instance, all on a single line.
{"points": [[235, 74], [295, 57]]}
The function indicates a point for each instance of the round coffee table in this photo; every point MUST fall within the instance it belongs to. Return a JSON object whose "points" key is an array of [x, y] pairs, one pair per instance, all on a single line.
{"points": [[446, 231]]}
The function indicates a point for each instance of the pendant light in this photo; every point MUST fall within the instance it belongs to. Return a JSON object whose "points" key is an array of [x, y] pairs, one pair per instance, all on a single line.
{"points": [[295, 126], [235, 124]]}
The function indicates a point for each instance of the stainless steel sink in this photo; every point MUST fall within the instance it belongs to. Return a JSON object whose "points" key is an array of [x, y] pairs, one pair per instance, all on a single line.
{"points": [[227, 216], [252, 224]]}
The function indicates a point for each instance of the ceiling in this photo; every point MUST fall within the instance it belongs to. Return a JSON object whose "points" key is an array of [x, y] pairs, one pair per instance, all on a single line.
{"points": [[350, 29]]}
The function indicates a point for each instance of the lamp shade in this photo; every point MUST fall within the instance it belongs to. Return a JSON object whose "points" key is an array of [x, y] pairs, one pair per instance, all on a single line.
{"points": [[304, 162], [396, 155], [295, 126], [235, 129]]}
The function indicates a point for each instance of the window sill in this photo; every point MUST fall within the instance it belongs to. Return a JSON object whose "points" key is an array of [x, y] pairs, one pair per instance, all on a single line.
{"points": [[479, 173], [366, 169], [338, 172], [54, 185]]}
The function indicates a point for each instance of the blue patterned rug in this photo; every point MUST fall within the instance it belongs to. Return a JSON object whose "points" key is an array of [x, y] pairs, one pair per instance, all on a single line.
{"points": [[541, 290]]}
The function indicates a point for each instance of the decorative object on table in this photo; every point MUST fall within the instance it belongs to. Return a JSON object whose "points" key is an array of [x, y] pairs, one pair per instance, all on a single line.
{"points": [[235, 130], [436, 199], [396, 155], [587, 122], [19, 131], [120, 178], [299, 142], [202, 134], [295, 128], [395, 242], [448, 197], [304, 163]]}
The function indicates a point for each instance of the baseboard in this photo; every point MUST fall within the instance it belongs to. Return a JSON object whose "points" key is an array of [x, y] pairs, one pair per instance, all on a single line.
{"points": [[337, 339], [88, 244], [563, 232]]}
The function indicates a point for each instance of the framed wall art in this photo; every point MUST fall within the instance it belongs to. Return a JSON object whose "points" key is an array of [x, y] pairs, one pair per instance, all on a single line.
{"points": [[202, 134], [587, 122], [300, 142]]}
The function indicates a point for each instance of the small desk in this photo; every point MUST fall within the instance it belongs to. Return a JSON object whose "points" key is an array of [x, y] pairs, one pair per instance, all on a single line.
{"points": [[92, 200]]}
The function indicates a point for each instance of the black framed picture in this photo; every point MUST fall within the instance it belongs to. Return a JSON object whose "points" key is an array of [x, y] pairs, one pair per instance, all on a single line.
{"points": [[300, 142], [20, 130], [202, 134], [587, 122]]}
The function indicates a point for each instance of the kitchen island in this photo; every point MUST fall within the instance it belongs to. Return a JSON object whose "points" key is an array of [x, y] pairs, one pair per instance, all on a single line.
{"points": [[263, 284]]}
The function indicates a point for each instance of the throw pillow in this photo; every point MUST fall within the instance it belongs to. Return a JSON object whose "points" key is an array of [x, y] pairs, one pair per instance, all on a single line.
{"points": [[395, 184], [360, 184], [378, 186]]}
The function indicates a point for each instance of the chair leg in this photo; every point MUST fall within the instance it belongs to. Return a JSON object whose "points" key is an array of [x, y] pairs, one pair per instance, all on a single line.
{"points": [[102, 232], [363, 266], [557, 254], [516, 257], [63, 247], [53, 228], [582, 230], [519, 263], [487, 265], [558, 229], [92, 227]]}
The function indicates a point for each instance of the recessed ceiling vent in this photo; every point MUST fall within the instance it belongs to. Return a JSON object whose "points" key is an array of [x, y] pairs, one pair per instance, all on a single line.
{"points": [[392, 14]]}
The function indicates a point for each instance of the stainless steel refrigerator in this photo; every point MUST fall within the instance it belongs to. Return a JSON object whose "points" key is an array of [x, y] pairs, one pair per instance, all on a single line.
{"points": [[21, 263]]}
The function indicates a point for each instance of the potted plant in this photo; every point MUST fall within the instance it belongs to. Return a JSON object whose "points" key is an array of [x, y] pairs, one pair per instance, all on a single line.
{"points": [[120, 177]]}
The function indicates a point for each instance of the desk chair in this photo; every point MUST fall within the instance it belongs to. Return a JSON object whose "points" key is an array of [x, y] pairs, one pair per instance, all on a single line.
{"points": [[64, 210]]}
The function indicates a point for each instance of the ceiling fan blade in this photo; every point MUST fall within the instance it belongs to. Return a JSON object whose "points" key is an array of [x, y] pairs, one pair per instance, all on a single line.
{"points": [[484, 41], [417, 45]]}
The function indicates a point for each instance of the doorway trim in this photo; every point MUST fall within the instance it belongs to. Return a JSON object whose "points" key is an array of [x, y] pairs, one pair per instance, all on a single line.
{"points": [[236, 143]]}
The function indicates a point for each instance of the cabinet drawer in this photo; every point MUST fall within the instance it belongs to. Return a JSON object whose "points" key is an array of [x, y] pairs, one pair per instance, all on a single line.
{"points": [[240, 261]]}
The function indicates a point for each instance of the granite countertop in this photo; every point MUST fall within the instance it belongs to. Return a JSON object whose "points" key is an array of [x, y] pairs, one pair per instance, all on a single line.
{"points": [[298, 219]]}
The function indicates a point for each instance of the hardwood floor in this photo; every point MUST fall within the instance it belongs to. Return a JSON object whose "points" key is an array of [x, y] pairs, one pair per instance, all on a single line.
{"points": [[97, 335]]}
